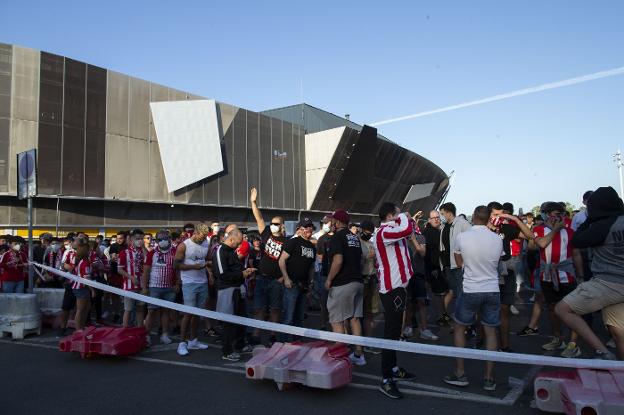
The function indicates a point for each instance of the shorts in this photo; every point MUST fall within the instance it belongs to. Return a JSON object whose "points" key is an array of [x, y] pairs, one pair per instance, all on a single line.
{"points": [[613, 315], [268, 293], [345, 302], [195, 294], [167, 294], [83, 293], [508, 289], [371, 296], [69, 299], [130, 304], [454, 280], [595, 294], [553, 297], [416, 288], [438, 283], [486, 305]]}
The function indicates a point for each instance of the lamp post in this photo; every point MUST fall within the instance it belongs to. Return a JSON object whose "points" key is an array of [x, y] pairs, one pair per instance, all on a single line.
{"points": [[619, 162]]}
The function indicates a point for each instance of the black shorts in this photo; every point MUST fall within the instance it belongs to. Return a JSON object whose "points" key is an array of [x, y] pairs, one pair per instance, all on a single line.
{"points": [[508, 289], [553, 297], [437, 280], [69, 299], [416, 288]]}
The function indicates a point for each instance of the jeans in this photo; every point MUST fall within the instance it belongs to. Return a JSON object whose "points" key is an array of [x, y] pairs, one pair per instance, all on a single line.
{"points": [[13, 287], [394, 307], [294, 308]]}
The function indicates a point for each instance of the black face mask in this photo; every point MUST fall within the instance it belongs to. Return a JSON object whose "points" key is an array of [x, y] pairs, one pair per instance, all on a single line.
{"points": [[366, 236]]}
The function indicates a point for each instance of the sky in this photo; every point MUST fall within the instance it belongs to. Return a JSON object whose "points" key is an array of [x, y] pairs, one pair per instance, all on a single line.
{"points": [[379, 60]]}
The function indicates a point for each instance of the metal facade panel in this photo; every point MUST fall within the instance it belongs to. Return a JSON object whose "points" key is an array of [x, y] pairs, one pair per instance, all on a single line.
{"points": [[289, 167], [253, 153], [238, 169], [117, 96], [73, 161], [25, 94], [6, 70], [157, 185], [137, 172], [116, 167], [138, 106], [277, 164], [95, 160], [23, 136], [265, 191], [158, 93]]}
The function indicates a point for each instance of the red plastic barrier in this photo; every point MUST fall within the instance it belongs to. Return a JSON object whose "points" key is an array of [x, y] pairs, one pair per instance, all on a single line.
{"points": [[114, 341], [581, 392], [316, 364]]}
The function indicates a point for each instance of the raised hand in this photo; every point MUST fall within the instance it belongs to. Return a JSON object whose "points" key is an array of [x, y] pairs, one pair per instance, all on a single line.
{"points": [[253, 195]]}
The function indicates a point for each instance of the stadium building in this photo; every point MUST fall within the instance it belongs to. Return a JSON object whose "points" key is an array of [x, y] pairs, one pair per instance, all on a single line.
{"points": [[116, 152]]}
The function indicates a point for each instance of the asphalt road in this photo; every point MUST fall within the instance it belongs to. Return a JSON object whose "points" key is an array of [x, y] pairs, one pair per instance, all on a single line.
{"points": [[35, 378]]}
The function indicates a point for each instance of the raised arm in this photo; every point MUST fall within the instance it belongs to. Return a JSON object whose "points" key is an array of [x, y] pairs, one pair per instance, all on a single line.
{"points": [[403, 229], [253, 198]]}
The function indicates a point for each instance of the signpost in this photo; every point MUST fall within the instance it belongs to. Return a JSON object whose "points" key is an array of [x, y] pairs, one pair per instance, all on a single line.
{"points": [[27, 189]]}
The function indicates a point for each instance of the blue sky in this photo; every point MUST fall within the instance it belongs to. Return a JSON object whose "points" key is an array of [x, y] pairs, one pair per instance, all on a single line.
{"points": [[378, 60]]}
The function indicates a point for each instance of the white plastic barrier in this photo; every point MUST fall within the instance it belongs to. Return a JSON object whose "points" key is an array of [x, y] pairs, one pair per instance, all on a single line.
{"points": [[50, 299], [428, 349], [19, 315]]}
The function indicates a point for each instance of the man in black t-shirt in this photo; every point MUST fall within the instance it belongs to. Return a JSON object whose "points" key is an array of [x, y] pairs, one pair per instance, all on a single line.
{"points": [[322, 252], [268, 291], [345, 303], [508, 227], [297, 266]]}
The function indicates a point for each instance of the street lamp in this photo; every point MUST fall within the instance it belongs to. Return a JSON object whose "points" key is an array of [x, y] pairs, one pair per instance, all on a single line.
{"points": [[617, 159]]}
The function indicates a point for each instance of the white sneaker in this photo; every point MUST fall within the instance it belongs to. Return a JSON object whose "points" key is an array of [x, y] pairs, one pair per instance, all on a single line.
{"points": [[428, 335], [514, 310], [197, 345], [357, 360], [408, 332], [183, 349], [164, 339]]}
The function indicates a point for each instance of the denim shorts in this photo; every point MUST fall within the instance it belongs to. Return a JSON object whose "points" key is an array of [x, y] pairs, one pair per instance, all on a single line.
{"points": [[167, 294], [195, 294], [486, 305], [454, 280], [268, 293]]}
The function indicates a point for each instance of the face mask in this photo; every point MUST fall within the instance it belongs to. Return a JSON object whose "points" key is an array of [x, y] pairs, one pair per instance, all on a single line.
{"points": [[496, 221], [17, 247], [216, 228], [164, 244], [442, 219], [326, 228], [366, 236], [275, 229], [67, 246], [138, 243]]}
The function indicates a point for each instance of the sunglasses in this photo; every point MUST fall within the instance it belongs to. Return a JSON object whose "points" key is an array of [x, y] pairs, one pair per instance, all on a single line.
{"points": [[276, 224]]}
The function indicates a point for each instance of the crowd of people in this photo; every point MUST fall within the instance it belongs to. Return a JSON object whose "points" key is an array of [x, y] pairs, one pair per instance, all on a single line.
{"points": [[468, 272]]}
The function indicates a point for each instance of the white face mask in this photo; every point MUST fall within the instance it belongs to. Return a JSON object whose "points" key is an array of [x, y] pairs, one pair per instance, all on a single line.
{"points": [[274, 228], [164, 244], [17, 247], [138, 243], [216, 229], [326, 228], [67, 246]]}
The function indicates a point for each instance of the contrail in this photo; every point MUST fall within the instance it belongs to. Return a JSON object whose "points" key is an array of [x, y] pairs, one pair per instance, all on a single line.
{"points": [[525, 91]]}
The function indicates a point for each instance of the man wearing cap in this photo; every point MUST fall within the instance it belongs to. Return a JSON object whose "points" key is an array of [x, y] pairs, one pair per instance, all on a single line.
{"points": [[297, 266], [345, 282], [322, 260]]}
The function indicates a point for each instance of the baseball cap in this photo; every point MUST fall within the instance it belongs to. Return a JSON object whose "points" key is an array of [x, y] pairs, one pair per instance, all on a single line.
{"points": [[341, 215], [305, 222]]}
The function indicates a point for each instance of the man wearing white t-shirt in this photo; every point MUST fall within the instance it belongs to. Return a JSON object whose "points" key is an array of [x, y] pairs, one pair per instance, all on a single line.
{"points": [[478, 251]]}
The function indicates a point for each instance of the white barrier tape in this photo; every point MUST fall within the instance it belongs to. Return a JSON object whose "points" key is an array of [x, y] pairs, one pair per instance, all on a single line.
{"points": [[420, 348]]}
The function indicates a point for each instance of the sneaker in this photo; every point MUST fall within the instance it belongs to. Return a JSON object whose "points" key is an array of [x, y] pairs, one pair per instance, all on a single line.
{"points": [[390, 389], [604, 355], [515, 312], [164, 339], [197, 345], [554, 344], [428, 335], [357, 360], [183, 349], [528, 331], [402, 374], [232, 357], [489, 384], [611, 343], [455, 380], [372, 350], [571, 350], [408, 332], [247, 349]]}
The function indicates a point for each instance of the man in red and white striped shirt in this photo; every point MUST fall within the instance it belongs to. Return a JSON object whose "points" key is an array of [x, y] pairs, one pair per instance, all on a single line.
{"points": [[160, 281], [130, 268], [83, 293], [560, 264], [394, 270]]}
